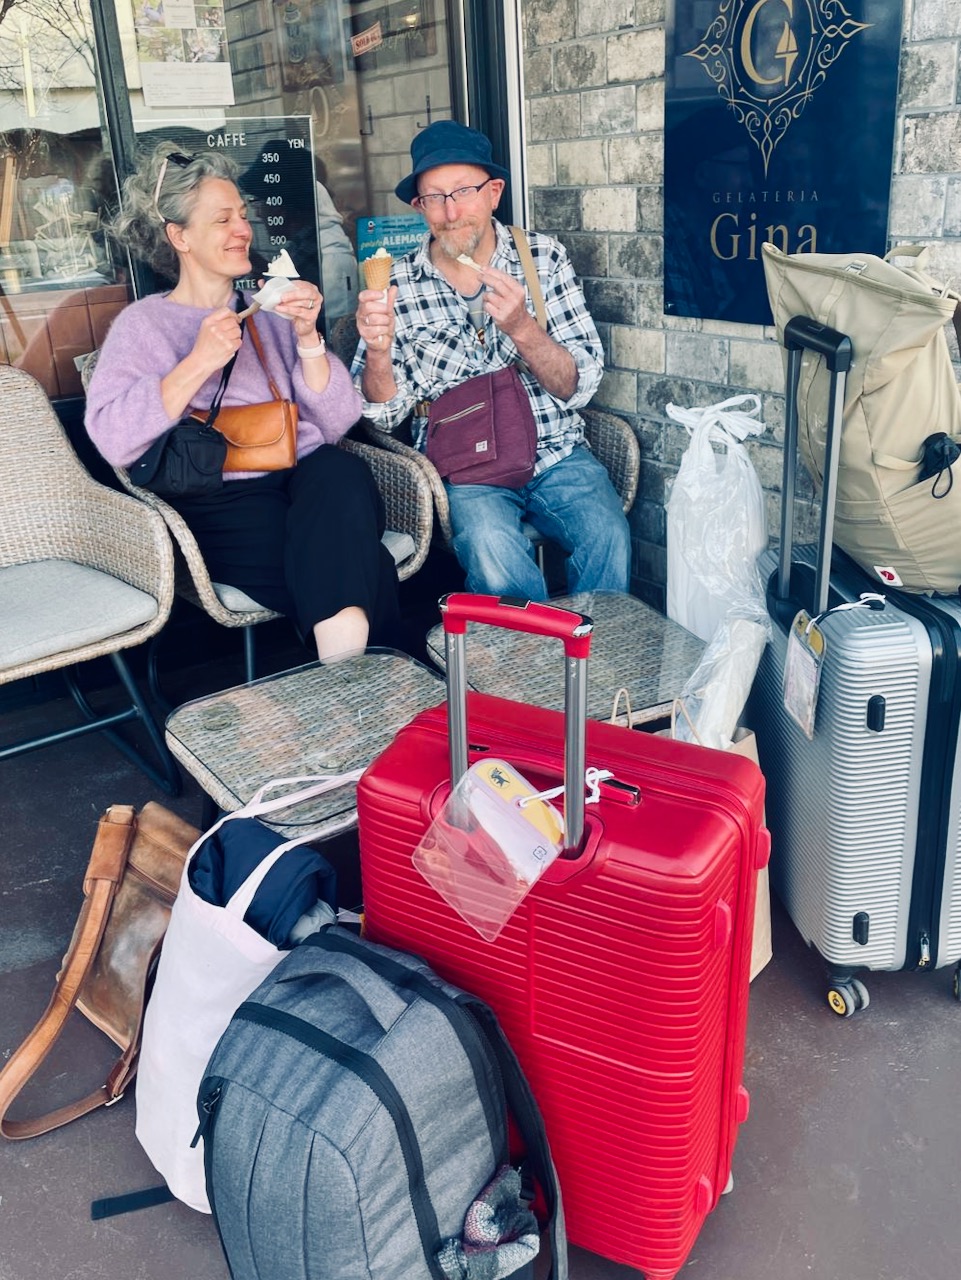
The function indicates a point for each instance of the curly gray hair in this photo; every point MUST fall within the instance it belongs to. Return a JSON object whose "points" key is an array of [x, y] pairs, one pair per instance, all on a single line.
{"points": [[164, 189]]}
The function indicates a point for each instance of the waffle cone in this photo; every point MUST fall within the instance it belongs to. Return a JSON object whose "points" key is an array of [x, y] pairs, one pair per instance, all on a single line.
{"points": [[377, 272]]}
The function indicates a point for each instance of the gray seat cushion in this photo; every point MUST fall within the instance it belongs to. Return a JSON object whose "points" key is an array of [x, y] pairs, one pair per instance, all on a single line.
{"points": [[400, 545], [55, 606], [234, 599]]}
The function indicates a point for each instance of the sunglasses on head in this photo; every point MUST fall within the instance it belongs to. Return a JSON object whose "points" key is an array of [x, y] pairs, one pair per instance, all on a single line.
{"points": [[181, 161]]}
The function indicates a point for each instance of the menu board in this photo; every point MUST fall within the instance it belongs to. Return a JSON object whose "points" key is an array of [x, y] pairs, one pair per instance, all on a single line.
{"points": [[274, 157]]}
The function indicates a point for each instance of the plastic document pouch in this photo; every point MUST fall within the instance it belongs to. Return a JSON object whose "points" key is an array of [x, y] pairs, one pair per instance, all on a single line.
{"points": [[802, 671], [489, 845]]}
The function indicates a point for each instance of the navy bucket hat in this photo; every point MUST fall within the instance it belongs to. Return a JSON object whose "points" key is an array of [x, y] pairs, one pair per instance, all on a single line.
{"points": [[447, 142]]}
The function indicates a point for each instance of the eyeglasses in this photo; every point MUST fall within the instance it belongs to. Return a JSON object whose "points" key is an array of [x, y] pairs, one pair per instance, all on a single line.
{"points": [[181, 161], [434, 199]]}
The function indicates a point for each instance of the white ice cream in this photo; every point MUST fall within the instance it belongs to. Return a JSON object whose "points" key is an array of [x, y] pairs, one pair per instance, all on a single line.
{"points": [[282, 266]]}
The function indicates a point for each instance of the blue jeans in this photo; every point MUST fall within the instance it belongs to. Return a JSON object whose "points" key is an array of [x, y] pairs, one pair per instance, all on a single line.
{"points": [[573, 503]]}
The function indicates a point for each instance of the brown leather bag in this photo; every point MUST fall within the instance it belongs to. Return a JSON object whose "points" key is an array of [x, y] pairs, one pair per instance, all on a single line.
{"points": [[260, 437], [129, 887]]}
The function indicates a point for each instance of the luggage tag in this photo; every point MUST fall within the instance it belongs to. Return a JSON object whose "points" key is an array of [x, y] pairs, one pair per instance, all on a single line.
{"points": [[485, 851], [806, 649], [802, 671]]}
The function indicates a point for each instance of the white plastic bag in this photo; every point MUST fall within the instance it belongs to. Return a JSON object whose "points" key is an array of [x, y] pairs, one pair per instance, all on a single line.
{"points": [[716, 526], [709, 706]]}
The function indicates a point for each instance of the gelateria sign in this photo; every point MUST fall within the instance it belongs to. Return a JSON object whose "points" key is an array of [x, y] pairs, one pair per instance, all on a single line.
{"points": [[779, 126]]}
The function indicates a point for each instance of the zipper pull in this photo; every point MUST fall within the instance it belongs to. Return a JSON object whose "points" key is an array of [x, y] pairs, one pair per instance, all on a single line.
{"points": [[208, 1104], [925, 960]]}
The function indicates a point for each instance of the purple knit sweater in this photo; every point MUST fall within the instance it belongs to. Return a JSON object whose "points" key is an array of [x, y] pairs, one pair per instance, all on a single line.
{"points": [[125, 413]]}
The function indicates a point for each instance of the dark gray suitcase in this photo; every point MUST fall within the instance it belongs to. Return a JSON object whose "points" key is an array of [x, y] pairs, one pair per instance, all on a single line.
{"points": [[864, 819]]}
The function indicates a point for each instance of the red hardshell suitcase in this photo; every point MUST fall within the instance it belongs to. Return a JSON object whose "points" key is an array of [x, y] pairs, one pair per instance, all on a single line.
{"points": [[622, 979]]}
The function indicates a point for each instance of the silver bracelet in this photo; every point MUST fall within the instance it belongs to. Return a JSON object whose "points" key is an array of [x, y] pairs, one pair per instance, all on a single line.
{"points": [[312, 353]]}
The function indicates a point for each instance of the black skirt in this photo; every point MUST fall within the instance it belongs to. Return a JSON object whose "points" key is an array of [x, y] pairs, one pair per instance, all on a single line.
{"points": [[305, 542]]}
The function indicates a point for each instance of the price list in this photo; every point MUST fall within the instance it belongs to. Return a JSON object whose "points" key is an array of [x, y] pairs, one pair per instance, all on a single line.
{"points": [[276, 174]]}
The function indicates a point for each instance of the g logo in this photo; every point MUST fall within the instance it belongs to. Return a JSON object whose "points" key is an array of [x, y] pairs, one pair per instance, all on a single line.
{"points": [[747, 40], [786, 50]]}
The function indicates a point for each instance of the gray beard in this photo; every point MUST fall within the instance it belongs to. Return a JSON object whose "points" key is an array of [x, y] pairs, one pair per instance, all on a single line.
{"points": [[452, 248]]}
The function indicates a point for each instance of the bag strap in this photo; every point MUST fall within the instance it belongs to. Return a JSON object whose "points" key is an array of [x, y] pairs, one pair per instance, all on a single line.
{"points": [[522, 245], [226, 372], [255, 339], [523, 1107], [104, 873]]}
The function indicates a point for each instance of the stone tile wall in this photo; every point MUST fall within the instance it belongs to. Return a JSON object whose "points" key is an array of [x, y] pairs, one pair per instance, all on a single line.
{"points": [[594, 72]]}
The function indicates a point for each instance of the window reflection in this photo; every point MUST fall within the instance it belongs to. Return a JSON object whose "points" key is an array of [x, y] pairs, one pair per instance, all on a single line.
{"points": [[59, 283]]}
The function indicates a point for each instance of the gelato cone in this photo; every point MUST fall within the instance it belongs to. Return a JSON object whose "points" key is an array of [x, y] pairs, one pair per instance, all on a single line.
{"points": [[377, 270]]}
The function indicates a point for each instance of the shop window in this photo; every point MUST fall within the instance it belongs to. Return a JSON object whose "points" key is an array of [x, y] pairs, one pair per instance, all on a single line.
{"points": [[59, 284]]}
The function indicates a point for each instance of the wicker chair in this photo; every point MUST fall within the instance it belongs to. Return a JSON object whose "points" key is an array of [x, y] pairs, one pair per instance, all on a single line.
{"points": [[85, 572], [407, 501], [611, 439]]}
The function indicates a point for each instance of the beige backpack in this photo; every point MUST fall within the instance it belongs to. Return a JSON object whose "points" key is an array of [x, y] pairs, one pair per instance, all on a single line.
{"points": [[901, 390]]}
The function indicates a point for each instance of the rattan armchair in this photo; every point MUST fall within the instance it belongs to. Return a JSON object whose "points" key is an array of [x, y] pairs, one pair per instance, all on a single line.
{"points": [[409, 515], [85, 573]]}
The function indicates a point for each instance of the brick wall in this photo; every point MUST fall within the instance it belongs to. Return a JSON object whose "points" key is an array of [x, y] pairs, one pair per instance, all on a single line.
{"points": [[594, 73]]}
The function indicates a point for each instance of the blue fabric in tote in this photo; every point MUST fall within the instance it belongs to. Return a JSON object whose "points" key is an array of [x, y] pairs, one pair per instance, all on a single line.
{"points": [[291, 887]]}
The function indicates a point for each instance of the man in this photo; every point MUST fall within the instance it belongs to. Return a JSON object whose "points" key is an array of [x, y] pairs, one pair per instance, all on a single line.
{"points": [[443, 321]]}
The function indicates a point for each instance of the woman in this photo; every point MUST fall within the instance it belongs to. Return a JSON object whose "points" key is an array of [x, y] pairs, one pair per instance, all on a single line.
{"points": [[304, 541]]}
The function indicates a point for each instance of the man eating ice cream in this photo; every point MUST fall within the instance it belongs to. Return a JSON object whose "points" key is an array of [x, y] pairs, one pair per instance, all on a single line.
{"points": [[459, 306]]}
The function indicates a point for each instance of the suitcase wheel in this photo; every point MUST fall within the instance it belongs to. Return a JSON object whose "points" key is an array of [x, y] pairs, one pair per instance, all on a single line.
{"points": [[845, 998], [956, 982]]}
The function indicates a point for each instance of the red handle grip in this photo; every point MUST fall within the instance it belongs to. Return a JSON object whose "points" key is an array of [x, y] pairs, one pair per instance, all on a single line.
{"points": [[514, 614]]}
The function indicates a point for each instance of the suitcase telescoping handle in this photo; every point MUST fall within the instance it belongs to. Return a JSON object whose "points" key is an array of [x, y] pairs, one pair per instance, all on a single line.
{"points": [[574, 629], [803, 334]]}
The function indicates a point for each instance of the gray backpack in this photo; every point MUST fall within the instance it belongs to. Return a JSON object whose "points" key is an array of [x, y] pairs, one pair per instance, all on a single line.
{"points": [[355, 1118]]}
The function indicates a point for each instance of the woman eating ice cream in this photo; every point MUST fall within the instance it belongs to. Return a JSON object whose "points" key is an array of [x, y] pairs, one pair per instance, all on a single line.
{"points": [[304, 540]]}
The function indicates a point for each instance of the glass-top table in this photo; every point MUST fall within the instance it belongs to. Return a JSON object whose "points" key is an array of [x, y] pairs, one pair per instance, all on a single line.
{"points": [[322, 719], [633, 647]]}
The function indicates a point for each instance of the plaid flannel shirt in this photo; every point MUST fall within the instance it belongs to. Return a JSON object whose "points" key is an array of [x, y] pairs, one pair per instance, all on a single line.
{"points": [[436, 346]]}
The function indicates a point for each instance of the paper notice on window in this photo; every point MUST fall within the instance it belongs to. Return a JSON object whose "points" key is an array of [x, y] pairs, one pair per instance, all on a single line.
{"points": [[182, 50]]}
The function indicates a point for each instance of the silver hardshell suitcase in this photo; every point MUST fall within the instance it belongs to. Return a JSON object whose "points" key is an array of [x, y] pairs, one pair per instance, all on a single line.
{"points": [[864, 818]]}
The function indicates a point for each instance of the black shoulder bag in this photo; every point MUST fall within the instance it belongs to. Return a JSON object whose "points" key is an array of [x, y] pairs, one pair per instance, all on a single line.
{"points": [[187, 461]]}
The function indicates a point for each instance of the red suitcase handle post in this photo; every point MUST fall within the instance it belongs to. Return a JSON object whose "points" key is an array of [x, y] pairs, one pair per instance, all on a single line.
{"points": [[514, 614]]}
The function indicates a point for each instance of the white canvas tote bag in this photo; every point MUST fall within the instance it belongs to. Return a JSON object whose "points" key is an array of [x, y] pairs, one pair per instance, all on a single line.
{"points": [[210, 962]]}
